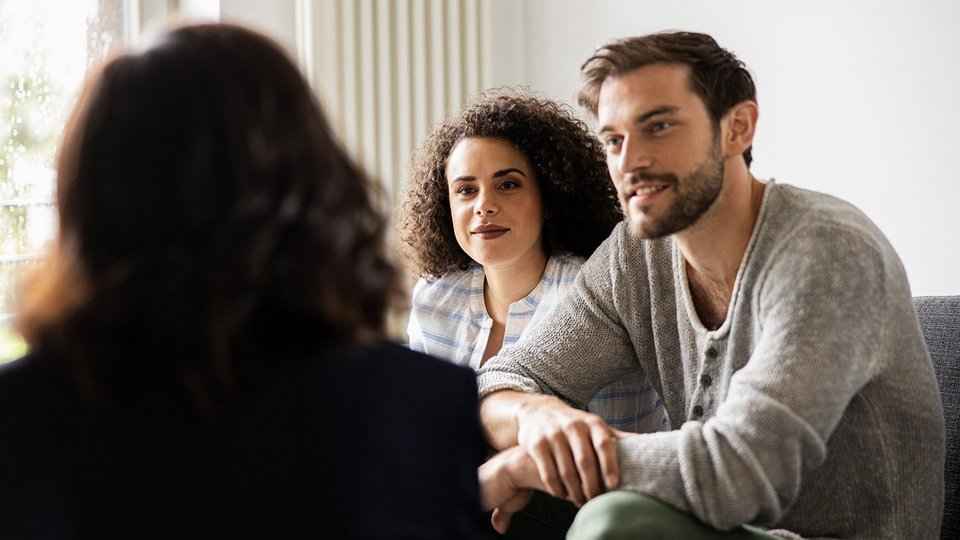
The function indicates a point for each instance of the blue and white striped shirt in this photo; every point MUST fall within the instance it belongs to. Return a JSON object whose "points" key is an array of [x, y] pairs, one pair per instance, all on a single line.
{"points": [[449, 320]]}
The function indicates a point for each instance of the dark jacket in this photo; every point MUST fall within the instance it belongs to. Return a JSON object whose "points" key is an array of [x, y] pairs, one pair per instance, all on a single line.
{"points": [[365, 442]]}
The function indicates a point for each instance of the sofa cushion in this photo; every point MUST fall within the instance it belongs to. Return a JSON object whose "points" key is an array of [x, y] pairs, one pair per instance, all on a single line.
{"points": [[940, 321]]}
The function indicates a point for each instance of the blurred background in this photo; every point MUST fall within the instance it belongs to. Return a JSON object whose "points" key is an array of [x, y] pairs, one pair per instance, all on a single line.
{"points": [[858, 99]]}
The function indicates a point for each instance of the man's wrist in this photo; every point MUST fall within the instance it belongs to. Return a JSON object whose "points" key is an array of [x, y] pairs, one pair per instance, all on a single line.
{"points": [[498, 414], [527, 405]]}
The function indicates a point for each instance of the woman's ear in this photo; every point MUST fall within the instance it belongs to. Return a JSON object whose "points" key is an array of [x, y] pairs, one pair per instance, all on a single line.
{"points": [[738, 126]]}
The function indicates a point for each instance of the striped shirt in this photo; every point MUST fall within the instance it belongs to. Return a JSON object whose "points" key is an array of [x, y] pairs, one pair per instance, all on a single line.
{"points": [[449, 320]]}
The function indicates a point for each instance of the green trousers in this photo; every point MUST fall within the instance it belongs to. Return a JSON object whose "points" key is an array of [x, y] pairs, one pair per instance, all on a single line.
{"points": [[625, 515]]}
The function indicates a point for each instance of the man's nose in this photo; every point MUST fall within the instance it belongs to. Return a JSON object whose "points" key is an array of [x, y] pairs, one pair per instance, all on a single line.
{"points": [[634, 156]]}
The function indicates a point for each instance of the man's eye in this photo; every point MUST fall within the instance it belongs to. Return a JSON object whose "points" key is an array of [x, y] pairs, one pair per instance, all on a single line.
{"points": [[659, 126], [612, 142]]}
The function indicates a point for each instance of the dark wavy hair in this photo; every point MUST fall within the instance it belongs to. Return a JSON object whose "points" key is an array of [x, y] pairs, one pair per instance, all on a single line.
{"points": [[579, 200], [717, 76], [208, 218]]}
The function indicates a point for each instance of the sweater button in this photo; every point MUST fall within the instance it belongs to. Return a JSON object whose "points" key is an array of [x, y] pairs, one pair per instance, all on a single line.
{"points": [[697, 410], [705, 380], [711, 353]]}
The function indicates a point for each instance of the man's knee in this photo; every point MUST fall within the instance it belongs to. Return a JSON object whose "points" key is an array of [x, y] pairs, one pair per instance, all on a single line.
{"points": [[626, 515], [623, 515]]}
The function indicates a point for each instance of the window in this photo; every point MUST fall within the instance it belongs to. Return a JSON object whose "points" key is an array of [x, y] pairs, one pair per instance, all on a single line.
{"points": [[47, 48]]}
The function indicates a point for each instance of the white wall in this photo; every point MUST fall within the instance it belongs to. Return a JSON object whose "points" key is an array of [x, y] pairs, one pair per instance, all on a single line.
{"points": [[859, 99], [273, 17]]}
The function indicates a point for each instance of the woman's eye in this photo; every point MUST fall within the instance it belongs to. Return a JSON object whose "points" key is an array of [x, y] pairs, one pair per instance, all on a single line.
{"points": [[509, 184], [465, 190], [612, 142]]}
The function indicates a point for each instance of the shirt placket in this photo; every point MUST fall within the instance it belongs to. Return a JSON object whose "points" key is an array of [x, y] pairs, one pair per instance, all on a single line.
{"points": [[703, 404]]}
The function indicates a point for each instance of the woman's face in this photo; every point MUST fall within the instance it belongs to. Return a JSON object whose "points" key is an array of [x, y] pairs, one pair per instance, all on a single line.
{"points": [[495, 202]]}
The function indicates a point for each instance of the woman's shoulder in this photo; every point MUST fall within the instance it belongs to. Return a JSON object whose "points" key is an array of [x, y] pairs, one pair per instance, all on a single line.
{"points": [[562, 267], [33, 379], [453, 284], [389, 364]]}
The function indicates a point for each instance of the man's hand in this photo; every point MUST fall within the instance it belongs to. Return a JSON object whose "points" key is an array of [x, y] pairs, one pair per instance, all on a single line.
{"points": [[574, 451]]}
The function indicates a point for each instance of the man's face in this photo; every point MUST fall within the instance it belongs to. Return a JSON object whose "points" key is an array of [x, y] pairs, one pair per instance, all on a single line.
{"points": [[663, 150]]}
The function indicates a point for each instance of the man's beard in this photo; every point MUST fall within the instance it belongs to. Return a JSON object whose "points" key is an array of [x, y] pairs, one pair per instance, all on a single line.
{"points": [[693, 196]]}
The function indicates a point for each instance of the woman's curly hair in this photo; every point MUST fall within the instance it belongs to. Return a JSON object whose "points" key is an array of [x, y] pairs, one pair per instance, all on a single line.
{"points": [[579, 200]]}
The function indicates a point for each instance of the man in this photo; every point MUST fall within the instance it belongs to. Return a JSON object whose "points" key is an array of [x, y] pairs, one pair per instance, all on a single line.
{"points": [[776, 323]]}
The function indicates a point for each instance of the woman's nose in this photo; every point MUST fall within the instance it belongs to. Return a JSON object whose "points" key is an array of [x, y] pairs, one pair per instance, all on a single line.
{"points": [[486, 205]]}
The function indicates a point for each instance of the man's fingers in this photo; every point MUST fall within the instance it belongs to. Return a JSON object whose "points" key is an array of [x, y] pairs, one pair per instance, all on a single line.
{"points": [[605, 446], [543, 456], [588, 469], [573, 450], [567, 467]]}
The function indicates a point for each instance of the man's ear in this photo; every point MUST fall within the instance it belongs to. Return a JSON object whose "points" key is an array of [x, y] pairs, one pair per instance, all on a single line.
{"points": [[738, 127]]}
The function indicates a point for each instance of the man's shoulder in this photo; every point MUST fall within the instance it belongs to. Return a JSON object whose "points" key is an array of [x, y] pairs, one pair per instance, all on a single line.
{"points": [[622, 242], [796, 213], [792, 203], [804, 233], [651, 259], [625, 258]]}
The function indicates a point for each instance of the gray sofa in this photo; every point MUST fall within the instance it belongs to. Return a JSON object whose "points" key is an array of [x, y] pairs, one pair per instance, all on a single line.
{"points": [[940, 321]]}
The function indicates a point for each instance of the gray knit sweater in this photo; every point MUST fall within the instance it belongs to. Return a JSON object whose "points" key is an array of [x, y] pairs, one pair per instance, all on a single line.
{"points": [[813, 409]]}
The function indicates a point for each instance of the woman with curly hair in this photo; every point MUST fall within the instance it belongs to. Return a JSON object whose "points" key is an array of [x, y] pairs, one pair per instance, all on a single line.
{"points": [[505, 202], [206, 340]]}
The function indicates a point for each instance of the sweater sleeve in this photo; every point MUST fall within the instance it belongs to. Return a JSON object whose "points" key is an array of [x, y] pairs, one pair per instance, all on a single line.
{"points": [[580, 347], [817, 306]]}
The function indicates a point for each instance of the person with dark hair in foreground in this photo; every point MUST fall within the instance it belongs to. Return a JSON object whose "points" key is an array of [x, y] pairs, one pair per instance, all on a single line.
{"points": [[206, 339], [776, 323]]}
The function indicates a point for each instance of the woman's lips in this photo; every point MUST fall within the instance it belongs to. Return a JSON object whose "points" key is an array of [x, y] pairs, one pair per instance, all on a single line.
{"points": [[489, 232]]}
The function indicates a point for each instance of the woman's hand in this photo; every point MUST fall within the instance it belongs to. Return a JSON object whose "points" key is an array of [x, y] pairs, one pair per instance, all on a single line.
{"points": [[507, 481]]}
